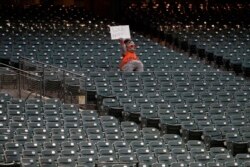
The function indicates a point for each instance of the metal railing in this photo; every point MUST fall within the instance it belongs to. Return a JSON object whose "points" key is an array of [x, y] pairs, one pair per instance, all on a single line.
{"points": [[44, 80]]}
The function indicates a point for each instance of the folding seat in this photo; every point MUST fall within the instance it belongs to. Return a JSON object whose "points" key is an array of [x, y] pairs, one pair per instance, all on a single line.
{"points": [[191, 144], [32, 154], [97, 131], [108, 119], [231, 164], [34, 106], [18, 101], [69, 153], [76, 138], [149, 117], [106, 159], [131, 112], [24, 131], [89, 153], [106, 152], [86, 145], [50, 153], [196, 164], [203, 158], [125, 100], [147, 138], [13, 146], [53, 125], [182, 116], [28, 162], [122, 165], [86, 161], [68, 145], [137, 145], [198, 150], [166, 159], [142, 100], [109, 124], [38, 119], [212, 137], [165, 112], [119, 145], [190, 131], [170, 124], [175, 101], [178, 164], [41, 131], [21, 139], [70, 112], [54, 101], [87, 125], [69, 107], [112, 107], [200, 115], [178, 150], [49, 113], [52, 106], [12, 156], [89, 113], [147, 160], [66, 162], [215, 118], [113, 137], [217, 113], [47, 162], [241, 100], [90, 119], [222, 158], [40, 139], [242, 159], [208, 100], [245, 164], [176, 145], [125, 152], [143, 151], [228, 129], [103, 145], [2, 147], [112, 131], [234, 111], [72, 119], [59, 131], [171, 137], [235, 144], [33, 146], [12, 113], [69, 125], [150, 130], [128, 124], [15, 107], [185, 158], [5, 96]]}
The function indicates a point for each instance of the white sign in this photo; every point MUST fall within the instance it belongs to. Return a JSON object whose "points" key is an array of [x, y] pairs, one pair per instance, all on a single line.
{"points": [[118, 32]]}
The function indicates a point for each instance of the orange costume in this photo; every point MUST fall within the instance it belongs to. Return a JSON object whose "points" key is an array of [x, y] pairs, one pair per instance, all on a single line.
{"points": [[130, 62], [127, 57]]}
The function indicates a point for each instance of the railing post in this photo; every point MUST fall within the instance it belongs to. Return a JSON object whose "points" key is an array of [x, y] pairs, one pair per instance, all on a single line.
{"points": [[19, 78], [43, 80], [64, 86]]}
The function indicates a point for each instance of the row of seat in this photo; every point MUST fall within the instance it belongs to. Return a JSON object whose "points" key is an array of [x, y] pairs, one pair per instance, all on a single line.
{"points": [[224, 39], [108, 142]]}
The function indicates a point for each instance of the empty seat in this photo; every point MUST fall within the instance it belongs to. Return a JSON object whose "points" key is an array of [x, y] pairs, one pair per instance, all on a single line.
{"points": [[66, 162], [12, 156], [47, 162]]}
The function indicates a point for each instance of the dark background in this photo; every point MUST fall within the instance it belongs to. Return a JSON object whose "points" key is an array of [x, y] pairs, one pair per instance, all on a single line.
{"points": [[107, 8]]}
